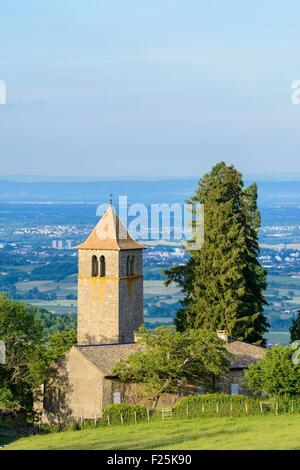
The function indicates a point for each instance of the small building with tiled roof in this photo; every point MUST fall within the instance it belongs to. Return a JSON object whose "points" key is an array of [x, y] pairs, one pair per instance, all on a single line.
{"points": [[84, 383], [106, 357], [110, 310]]}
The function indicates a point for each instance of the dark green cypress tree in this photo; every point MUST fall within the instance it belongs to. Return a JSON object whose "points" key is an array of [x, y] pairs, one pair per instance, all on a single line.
{"points": [[252, 324], [295, 328], [223, 282]]}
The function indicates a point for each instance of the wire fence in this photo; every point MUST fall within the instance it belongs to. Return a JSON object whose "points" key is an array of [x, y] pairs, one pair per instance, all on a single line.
{"points": [[202, 410]]}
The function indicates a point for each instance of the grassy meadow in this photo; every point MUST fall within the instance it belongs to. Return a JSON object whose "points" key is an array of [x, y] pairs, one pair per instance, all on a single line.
{"points": [[253, 432]]}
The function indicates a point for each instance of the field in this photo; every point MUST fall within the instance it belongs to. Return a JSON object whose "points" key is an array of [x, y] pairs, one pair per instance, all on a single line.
{"points": [[161, 302], [278, 337], [255, 432], [286, 282]]}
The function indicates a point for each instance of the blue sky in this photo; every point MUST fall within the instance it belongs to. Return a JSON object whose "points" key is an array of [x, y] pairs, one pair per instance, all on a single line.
{"points": [[149, 87]]}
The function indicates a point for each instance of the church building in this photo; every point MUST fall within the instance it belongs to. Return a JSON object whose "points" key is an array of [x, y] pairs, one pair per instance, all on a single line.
{"points": [[110, 310], [110, 284]]}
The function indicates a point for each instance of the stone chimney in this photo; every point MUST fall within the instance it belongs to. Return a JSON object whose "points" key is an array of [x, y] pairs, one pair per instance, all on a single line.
{"points": [[222, 334]]}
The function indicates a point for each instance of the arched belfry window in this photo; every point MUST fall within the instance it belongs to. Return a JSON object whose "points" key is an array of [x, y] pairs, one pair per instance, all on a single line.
{"points": [[128, 266], [94, 266], [132, 266], [102, 266]]}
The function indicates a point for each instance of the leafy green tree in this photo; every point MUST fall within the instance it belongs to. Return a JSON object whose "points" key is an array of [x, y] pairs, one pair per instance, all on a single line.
{"points": [[295, 328], [276, 374], [59, 343], [167, 360], [25, 368], [29, 351], [223, 282]]}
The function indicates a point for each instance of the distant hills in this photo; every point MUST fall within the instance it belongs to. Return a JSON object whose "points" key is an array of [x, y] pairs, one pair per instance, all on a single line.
{"points": [[145, 191], [97, 191]]}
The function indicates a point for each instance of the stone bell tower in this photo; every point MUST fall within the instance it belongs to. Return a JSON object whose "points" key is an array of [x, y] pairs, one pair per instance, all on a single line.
{"points": [[110, 284]]}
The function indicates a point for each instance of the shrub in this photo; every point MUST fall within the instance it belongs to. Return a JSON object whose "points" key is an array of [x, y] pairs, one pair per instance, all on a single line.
{"points": [[217, 404], [7, 400], [89, 424], [128, 413], [285, 404], [275, 374]]}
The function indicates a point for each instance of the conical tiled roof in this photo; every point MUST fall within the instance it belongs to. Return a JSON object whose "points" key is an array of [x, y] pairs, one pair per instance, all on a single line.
{"points": [[109, 234]]}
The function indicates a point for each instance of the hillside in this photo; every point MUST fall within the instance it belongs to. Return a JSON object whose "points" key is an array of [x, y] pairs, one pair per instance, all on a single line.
{"points": [[258, 432]]}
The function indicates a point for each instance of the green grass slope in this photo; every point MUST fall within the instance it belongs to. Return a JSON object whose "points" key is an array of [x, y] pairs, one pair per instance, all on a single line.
{"points": [[256, 432]]}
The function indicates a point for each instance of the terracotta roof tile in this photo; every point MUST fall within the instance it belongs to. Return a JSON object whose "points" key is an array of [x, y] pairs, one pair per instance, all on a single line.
{"points": [[110, 234], [106, 356], [245, 354]]}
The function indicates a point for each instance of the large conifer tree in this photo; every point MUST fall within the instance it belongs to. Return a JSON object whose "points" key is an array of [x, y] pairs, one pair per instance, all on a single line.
{"points": [[295, 328], [223, 282]]}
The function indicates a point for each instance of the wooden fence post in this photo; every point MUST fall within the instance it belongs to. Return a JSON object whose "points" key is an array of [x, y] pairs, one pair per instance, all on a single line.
{"points": [[217, 408], [292, 406], [246, 408], [108, 420], [135, 417], [203, 407], [121, 416], [261, 407], [148, 415], [187, 411], [231, 408], [276, 408]]}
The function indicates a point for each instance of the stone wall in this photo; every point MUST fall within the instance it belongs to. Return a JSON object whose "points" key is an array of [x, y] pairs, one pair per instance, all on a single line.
{"points": [[110, 308], [98, 299], [134, 394], [234, 376], [130, 296], [75, 391]]}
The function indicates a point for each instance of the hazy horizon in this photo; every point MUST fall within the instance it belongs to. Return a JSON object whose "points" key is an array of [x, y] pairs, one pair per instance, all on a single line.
{"points": [[23, 178]]}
